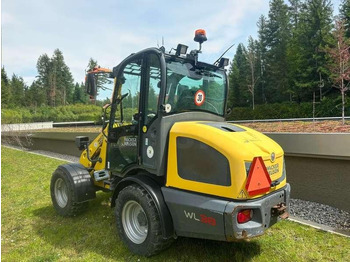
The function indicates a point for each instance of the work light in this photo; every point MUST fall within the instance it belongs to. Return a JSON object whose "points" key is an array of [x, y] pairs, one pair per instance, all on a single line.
{"points": [[181, 49]]}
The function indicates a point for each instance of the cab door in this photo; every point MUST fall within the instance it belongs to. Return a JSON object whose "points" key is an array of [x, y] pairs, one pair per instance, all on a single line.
{"points": [[150, 121], [124, 127]]}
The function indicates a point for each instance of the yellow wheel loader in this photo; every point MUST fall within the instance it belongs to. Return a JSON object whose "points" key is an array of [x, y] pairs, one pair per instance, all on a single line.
{"points": [[172, 164]]}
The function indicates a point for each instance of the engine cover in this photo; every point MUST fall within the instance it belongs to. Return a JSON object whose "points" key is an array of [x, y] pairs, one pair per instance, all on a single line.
{"points": [[214, 158]]}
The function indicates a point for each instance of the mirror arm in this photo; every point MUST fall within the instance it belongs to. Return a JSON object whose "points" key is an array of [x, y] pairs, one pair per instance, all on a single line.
{"points": [[104, 125], [86, 146]]}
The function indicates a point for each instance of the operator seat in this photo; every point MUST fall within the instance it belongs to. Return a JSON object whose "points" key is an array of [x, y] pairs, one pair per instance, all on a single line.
{"points": [[186, 99]]}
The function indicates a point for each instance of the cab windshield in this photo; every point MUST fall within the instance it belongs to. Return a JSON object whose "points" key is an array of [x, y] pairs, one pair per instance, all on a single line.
{"points": [[191, 88]]}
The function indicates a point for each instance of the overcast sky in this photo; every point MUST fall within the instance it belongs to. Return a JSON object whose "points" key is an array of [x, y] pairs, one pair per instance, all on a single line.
{"points": [[110, 30]]}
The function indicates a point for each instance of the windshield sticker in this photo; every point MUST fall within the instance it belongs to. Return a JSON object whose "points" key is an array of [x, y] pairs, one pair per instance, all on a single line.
{"points": [[199, 98]]}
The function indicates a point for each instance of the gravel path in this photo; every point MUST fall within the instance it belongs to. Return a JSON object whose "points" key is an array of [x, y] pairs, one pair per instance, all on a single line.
{"points": [[311, 211], [46, 153], [321, 214]]}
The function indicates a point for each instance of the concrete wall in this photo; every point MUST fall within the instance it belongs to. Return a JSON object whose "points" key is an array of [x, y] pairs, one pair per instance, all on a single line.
{"points": [[321, 180], [59, 142], [26, 126], [318, 165], [335, 146]]}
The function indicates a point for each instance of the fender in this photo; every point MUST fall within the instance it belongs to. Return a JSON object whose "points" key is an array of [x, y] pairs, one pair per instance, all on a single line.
{"points": [[155, 192], [81, 179]]}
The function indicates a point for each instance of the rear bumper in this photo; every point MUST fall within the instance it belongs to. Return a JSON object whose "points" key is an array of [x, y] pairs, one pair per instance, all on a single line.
{"points": [[263, 215], [201, 216]]}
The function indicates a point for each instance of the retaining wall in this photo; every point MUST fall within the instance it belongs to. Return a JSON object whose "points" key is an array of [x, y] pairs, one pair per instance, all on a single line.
{"points": [[318, 165]]}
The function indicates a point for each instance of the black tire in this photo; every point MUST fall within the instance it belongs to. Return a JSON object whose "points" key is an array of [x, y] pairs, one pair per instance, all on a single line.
{"points": [[63, 195], [148, 244]]}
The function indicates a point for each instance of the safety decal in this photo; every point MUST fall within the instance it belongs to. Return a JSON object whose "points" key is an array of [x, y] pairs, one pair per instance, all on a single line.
{"points": [[150, 152], [144, 129], [199, 98], [242, 194]]}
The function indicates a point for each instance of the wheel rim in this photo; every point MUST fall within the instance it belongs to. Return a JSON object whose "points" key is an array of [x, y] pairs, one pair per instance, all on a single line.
{"points": [[134, 222], [61, 192]]}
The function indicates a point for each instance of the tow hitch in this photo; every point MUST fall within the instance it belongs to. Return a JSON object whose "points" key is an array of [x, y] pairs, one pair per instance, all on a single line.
{"points": [[280, 210]]}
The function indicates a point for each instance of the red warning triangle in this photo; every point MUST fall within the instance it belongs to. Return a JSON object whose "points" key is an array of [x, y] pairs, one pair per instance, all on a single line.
{"points": [[259, 180]]}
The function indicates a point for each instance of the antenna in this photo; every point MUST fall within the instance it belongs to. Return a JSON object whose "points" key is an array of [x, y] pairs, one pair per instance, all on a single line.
{"points": [[162, 40], [218, 60]]}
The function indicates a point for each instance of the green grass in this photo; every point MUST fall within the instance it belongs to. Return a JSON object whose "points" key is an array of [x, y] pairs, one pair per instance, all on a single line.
{"points": [[32, 231]]}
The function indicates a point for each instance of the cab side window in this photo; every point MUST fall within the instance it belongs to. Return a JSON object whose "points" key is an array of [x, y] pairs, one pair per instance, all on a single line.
{"points": [[151, 106], [131, 86]]}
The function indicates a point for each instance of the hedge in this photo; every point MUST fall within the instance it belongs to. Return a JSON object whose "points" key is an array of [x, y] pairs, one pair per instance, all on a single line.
{"points": [[326, 108], [77, 112]]}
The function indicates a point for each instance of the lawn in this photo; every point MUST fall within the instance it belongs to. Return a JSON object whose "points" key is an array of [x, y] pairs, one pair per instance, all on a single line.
{"points": [[32, 231]]}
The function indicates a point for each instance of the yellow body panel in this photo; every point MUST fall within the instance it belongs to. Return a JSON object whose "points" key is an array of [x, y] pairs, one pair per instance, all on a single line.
{"points": [[97, 148], [237, 147]]}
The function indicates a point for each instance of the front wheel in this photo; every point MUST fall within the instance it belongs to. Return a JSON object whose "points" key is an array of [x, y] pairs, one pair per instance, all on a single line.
{"points": [[63, 195], [138, 222]]}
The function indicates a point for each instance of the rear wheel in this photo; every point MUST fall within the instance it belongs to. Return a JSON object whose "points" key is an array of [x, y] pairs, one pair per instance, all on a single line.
{"points": [[138, 222], [63, 195]]}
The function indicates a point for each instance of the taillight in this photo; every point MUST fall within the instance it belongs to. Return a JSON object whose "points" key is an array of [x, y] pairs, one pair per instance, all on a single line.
{"points": [[244, 216]]}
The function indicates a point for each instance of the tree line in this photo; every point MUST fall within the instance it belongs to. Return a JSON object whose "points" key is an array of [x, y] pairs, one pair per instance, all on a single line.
{"points": [[301, 54], [53, 86]]}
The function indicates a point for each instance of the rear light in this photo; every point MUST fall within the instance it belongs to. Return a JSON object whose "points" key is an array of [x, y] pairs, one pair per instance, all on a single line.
{"points": [[244, 216]]}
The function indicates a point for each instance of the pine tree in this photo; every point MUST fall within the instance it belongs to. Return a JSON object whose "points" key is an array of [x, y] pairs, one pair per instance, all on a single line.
{"points": [[345, 16], [294, 12], [253, 66], [262, 50], [63, 79], [294, 51], [314, 34], [17, 89], [5, 89], [80, 95], [238, 94], [55, 78], [45, 72], [36, 95], [277, 37]]}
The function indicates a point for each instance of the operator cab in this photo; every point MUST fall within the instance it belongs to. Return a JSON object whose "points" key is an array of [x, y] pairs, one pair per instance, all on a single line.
{"points": [[153, 90]]}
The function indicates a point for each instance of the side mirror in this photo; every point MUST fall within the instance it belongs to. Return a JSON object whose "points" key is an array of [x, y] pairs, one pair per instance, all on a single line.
{"points": [[81, 142], [104, 116], [91, 85]]}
